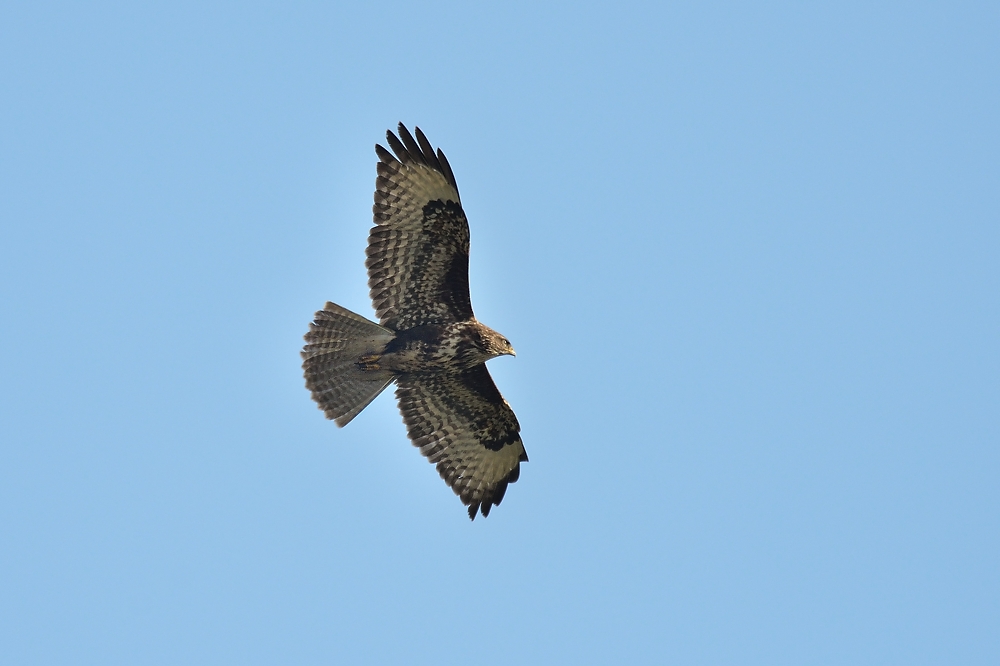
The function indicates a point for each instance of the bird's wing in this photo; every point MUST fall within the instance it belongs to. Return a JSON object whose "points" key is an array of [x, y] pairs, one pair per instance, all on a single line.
{"points": [[462, 423], [418, 250]]}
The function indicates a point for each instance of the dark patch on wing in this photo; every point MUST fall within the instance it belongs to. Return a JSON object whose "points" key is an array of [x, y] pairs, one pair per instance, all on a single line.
{"points": [[480, 382], [446, 222]]}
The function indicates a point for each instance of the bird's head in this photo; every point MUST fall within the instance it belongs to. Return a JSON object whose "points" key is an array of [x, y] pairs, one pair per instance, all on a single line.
{"points": [[495, 344]]}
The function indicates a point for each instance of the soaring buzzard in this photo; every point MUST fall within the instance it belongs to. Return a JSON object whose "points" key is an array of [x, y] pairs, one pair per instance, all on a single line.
{"points": [[429, 342]]}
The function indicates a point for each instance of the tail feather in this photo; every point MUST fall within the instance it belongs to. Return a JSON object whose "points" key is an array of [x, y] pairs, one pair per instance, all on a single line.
{"points": [[336, 340]]}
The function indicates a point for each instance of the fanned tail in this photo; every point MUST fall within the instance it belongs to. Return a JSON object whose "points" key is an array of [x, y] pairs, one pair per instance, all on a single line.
{"points": [[335, 343]]}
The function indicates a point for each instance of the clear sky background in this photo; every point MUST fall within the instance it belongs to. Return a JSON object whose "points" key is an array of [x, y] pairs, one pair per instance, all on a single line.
{"points": [[749, 256]]}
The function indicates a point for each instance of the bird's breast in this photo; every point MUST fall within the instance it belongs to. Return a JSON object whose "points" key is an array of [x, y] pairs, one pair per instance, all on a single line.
{"points": [[434, 347]]}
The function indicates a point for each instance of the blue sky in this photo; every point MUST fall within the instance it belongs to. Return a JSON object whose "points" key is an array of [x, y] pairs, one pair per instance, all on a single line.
{"points": [[747, 254]]}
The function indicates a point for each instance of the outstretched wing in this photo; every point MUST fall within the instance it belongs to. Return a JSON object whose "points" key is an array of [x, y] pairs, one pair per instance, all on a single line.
{"points": [[462, 423], [418, 250]]}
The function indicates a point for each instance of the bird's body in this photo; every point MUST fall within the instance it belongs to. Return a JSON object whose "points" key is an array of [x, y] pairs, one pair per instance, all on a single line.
{"points": [[440, 348], [428, 341]]}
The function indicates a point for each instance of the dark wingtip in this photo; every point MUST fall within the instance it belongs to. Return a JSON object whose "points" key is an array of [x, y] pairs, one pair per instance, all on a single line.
{"points": [[408, 149], [384, 155], [397, 147], [446, 169], [411, 145], [428, 151], [472, 511]]}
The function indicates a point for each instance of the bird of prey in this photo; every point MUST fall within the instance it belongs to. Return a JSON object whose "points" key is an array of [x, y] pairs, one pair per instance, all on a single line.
{"points": [[427, 340]]}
